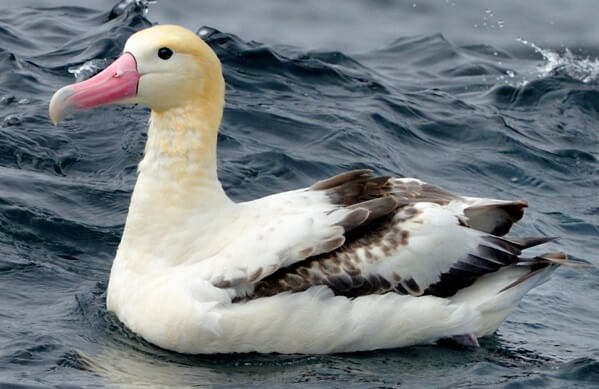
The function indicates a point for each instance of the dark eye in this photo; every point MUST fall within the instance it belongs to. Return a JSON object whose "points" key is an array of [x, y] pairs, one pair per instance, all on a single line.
{"points": [[165, 53]]}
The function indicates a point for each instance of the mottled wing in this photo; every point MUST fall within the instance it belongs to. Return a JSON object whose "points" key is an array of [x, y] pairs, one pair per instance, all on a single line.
{"points": [[415, 239], [414, 256], [278, 231]]}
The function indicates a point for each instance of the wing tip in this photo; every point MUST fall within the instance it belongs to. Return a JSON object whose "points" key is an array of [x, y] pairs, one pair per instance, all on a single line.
{"points": [[561, 259], [495, 218], [541, 262]]}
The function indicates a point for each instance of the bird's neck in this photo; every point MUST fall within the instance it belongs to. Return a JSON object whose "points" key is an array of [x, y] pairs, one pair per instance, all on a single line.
{"points": [[178, 204], [178, 171], [181, 145]]}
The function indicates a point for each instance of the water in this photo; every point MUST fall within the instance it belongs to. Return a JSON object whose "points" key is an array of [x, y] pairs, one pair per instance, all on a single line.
{"points": [[314, 88]]}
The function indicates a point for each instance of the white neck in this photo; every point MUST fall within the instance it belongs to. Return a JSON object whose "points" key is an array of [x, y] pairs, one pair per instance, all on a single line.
{"points": [[177, 190]]}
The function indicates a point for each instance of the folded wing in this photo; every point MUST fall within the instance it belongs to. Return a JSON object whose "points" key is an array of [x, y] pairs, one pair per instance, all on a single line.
{"points": [[361, 234]]}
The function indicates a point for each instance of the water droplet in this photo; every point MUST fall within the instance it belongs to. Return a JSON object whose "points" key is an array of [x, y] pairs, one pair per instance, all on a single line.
{"points": [[88, 69]]}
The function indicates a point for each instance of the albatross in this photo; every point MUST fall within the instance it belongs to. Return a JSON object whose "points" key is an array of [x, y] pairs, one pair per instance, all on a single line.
{"points": [[354, 262]]}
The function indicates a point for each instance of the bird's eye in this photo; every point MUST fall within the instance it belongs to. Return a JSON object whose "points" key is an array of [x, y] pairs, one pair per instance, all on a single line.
{"points": [[165, 53]]}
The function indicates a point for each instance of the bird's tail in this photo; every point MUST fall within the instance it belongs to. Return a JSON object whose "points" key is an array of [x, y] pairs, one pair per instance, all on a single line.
{"points": [[538, 263]]}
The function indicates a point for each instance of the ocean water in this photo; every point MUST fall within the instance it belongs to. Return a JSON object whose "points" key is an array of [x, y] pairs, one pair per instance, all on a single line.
{"points": [[486, 98]]}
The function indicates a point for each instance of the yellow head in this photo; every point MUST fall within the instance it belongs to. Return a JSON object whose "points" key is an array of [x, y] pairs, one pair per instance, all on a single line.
{"points": [[164, 67]]}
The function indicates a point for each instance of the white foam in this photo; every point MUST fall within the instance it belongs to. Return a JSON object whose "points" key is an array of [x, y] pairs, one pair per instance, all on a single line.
{"points": [[581, 69], [88, 69]]}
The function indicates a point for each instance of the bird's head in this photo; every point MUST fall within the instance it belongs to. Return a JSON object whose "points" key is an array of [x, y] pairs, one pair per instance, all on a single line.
{"points": [[163, 67]]}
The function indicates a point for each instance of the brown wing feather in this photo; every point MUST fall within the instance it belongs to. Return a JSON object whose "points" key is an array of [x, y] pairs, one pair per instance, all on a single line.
{"points": [[379, 205], [341, 271], [496, 219], [359, 186], [338, 269]]}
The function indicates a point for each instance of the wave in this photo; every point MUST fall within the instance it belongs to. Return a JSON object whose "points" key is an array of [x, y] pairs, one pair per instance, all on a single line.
{"points": [[565, 64]]}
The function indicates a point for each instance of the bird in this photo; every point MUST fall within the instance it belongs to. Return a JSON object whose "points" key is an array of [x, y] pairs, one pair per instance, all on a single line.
{"points": [[355, 262]]}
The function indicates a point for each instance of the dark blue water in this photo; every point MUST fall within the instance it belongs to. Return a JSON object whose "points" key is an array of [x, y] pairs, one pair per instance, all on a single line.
{"points": [[331, 88]]}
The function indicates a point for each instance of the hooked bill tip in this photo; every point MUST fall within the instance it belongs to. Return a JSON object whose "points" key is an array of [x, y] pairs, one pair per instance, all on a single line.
{"points": [[59, 104]]}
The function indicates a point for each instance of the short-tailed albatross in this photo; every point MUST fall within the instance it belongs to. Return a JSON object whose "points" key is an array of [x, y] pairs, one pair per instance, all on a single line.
{"points": [[354, 262]]}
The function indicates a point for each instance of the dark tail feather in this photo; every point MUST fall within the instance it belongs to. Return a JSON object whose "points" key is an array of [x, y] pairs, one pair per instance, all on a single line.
{"points": [[562, 259], [531, 241], [537, 264], [516, 245]]}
